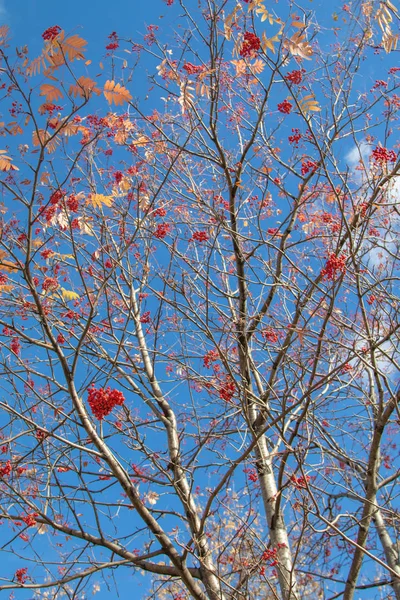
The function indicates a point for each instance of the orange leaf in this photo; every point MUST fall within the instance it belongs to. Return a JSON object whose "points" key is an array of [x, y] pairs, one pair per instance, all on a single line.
{"points": [[85, 86], [51, 93], [115, 92], [42, 138], [73, 47]]}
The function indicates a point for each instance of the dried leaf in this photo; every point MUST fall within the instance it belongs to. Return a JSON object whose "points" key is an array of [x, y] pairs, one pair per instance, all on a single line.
{"points": [[265, 15], [389, 41], [269, 42], [298, 46], [186, 96], [5, 163], [229, 22], [240, 66], [258, 66], [115, 92]]}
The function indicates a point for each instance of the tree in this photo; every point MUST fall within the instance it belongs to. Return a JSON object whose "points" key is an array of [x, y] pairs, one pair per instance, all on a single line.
{"points": [[199, 307]]}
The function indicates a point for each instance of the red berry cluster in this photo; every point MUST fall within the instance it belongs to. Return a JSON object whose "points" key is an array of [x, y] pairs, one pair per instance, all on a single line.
{"points": [[145, 318], [307, 166], [5, 469], [251, 45], [102, 401], [300, 482], [56, 197], [21, 575], [252, 474], [285, 107], [192, 69], [162, 230], [51, 33], [227, 389], [334, 265], [113, 45], [381, 156], [200, 236], [209, 358], [295, 138], [270, 555], [29, 519], [50, 284], [295, 77], [15, 346], [270, 335], [73, 203]]}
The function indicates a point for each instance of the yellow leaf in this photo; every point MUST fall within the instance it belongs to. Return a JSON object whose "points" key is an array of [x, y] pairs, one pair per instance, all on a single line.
{"points": [[5, 288], [88, 62], [6, 265], [141, 141], [97, 200], [51, 93], [309, 103], [125, 184], [115, 92], [5, 163], [68, 295]]}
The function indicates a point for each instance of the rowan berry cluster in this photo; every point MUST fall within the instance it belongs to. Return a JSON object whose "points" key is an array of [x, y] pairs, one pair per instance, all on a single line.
{"points": [[381, 156], [102, 401], [334, 265], [270, 335], [200, 236], [285, 107], [209, 358], [51, 33], [162, 230], [251, 45], [5, 469], [295, 77], [192, 69], [227, 389], [50, 284]]}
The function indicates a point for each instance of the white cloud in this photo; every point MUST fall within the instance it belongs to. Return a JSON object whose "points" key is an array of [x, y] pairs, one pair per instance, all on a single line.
{"points": [[360, 152]]}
